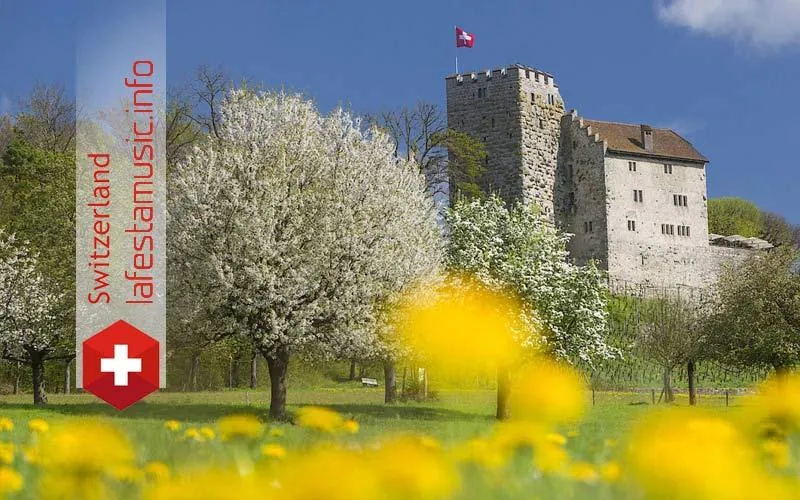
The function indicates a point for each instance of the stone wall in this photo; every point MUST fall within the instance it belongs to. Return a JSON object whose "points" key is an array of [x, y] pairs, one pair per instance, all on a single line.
{"points": [[581, 191]]}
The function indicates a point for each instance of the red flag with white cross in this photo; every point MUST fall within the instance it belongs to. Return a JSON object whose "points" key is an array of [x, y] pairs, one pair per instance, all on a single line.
{"points": [[464, 39]]}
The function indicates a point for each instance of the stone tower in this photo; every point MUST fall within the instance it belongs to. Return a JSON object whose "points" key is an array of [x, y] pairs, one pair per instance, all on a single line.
{"points": [[516, 112]]}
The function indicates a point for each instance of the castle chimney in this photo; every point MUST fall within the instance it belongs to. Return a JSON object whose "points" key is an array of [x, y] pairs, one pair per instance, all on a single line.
{"points": [[647, 137]]}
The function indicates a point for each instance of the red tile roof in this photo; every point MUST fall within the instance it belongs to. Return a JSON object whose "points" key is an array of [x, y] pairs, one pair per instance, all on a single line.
{"points": [[627, 138]]}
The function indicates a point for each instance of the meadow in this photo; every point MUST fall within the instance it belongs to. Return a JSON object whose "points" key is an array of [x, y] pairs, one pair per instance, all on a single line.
{"points": [[455, 418]]}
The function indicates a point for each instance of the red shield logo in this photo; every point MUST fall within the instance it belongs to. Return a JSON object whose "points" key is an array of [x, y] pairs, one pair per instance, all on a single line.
{"points": [[120, 364]]}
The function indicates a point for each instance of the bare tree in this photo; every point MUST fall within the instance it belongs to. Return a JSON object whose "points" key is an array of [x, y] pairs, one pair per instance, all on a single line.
{"points": [[47, 119], [446, 157]]}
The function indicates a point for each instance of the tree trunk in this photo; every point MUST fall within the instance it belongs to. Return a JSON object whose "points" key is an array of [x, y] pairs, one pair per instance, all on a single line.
{"points": [[253, 367], [389, 382], [669, 396], [39, 394], [195, 371], [278, 365], [67, 373], [352, 369], [781, 371], [503, 392], [17, 377], [692, 388]]}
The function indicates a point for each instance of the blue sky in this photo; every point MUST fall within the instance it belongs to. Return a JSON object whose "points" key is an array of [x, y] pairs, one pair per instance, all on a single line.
{"points": [[724, 74]]}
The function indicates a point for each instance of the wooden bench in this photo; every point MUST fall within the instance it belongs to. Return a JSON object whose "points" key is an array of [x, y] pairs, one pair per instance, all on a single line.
{"points": [[369, 382]]}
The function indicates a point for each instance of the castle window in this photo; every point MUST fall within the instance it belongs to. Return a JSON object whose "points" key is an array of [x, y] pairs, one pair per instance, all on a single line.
{"points": [[632, 166], [587, 227], [638, 196], [667, 169], [551, 99], [631, 225], [482, 92], [688, 233], [541, 123], [492, 122], [536, 76], [680, 200], [672, 229], [546, 79], [663, 229], [533, 98], [685, 201], [527, 73]]}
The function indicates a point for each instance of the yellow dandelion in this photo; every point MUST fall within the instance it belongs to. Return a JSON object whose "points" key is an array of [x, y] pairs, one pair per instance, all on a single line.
{"points": [[10, 481], [350, 426], [610, 472], [583, 472], [156, 471], [6, 424], [38, 425], [431, 476], [211, 483], [89, 446], [547, 392], [272, 450], [777, 452], [556, 438], [7, 453], [549, 458], [332, 474], [31, 454], [194, 434], [207, 433], [239, 426], [172, 425], [481, 452], [276, 432], [319, 419]]}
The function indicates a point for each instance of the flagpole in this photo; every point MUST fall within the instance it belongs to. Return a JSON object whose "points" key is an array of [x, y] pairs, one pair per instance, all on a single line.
{"points": [[455, 28]]}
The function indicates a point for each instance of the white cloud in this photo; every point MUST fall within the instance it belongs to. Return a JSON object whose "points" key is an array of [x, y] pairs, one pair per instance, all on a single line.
{"points": [[762, 23]]}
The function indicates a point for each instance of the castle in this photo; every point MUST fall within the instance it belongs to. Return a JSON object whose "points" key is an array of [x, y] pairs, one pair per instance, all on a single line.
{"points": [[633, 196]]}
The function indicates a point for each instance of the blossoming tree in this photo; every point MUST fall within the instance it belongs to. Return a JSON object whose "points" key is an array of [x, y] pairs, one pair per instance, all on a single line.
{"points": [[292, 227], [31, 330], [517, 250]]}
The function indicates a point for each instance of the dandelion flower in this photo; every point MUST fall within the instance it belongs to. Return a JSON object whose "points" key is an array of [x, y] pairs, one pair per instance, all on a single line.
{"points": [[30, 454], [156, 471], [777, 452], [239, 426], [350, 426], [6, 424], [556, 438], [276, 432], [547, 392], [10, 481], [7, 453], [319, 419], [88, 446], [38, 425], [610, 472], [207, 433], [583, 472], [431, 476], [193, 434], [272, 450], [172, 425], [549, 458]]}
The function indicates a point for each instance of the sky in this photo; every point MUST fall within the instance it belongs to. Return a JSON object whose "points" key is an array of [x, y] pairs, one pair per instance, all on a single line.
{"points": [[722, 73]]}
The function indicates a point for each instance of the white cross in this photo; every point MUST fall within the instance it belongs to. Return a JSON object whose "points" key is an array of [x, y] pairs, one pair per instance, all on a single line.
{"points": [[465, 36], [120, 365]]}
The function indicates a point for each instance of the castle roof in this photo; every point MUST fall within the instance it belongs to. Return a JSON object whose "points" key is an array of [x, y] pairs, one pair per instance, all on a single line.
{"points": [[627, 138]]}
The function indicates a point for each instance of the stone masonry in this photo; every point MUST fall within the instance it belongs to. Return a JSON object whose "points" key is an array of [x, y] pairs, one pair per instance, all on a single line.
{"points": [[633, 197]]}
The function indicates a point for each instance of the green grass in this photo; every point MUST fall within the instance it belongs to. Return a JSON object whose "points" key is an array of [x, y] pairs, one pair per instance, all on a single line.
{"points": [[456, 417]]}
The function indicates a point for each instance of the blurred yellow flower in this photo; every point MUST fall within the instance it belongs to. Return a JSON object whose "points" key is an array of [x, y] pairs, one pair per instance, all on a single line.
{"points": [[276, 432], [350, 426], [30, 454], [172, 425], [38, 425], [777, 404], [319, 419], [240, 426], [549, 458], [708, 454], [583, 472], [88, 446], [556, 438], [610, 472], [211, 484], [156, 471], [407, 469], [460, 327], [7, 453], [6, 424], [548, 392], [207, 432], [194, 434], [481, 452], [777, 452], [272, 450], [10, 481], [330, 474]]}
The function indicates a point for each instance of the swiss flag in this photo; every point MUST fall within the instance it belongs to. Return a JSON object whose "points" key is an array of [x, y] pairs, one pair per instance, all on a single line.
{"points": [[464, 39]]}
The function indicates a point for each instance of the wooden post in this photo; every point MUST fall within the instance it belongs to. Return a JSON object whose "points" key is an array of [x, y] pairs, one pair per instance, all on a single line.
{"points": [[653, 395]]}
